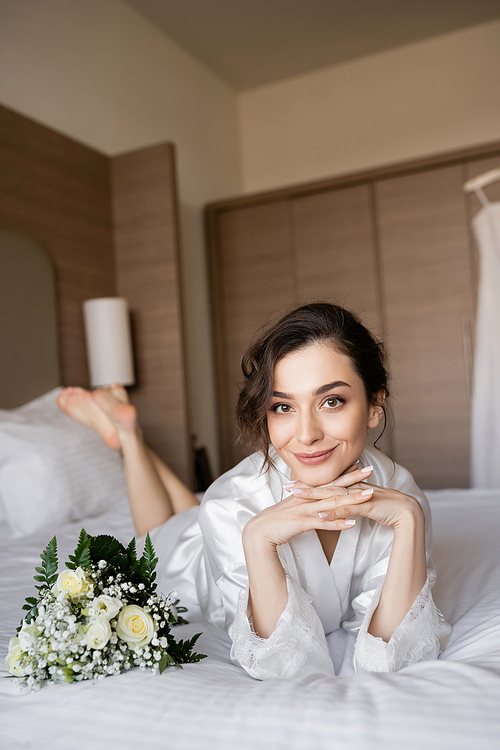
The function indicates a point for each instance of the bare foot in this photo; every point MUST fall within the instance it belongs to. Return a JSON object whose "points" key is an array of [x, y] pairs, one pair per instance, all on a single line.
{"points": [[119, 392], [78, 404], [114, 403]]}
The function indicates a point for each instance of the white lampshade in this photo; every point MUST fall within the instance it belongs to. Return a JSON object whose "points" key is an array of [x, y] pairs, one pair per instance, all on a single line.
{"points": [[109, 342]]}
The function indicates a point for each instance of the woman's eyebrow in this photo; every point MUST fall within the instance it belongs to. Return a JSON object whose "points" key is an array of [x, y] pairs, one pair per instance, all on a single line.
{"points": [[322, 389], [329, 387]]}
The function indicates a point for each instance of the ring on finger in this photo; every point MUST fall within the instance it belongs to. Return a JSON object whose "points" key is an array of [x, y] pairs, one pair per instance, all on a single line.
{"points": [[345, 490]]}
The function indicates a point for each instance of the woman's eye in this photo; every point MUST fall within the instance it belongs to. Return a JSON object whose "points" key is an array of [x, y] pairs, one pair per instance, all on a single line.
{"points": [[281, 408], [333, 402]]}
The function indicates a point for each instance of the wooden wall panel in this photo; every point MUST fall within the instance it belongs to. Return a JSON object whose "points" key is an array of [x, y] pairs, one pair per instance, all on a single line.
{"points": [[57, 192], [147, 263], [335, 253], [426, 271], [255, 268]]}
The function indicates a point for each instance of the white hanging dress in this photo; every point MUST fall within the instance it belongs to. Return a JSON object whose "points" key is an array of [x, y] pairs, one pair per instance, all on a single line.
{"points": [[485, 432]]}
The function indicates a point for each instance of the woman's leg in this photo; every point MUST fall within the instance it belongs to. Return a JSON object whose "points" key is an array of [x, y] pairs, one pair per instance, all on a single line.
{"points": [[180, 496], [155, 492]]}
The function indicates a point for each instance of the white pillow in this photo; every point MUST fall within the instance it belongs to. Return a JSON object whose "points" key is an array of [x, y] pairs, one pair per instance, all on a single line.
{"points": [[52, 469]]}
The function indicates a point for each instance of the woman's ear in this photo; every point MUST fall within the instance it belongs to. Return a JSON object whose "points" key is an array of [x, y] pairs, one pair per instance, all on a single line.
{"points": [[376, 410]]}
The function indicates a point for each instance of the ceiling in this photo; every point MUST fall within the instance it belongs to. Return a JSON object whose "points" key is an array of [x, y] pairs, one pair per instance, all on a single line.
{"points": [[249, 43]]}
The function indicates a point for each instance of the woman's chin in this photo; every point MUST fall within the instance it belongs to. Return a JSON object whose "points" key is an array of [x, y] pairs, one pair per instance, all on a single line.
{"points": [[315, 476]]}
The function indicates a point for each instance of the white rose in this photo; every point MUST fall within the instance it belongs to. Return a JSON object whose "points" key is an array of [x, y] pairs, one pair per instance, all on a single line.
{"points": [[27, 635], [105, 606], [12, 658], [98, 634], [72, 583], [135, 626]]}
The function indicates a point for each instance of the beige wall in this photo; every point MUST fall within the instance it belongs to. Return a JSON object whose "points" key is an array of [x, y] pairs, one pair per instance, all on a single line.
{"points": [[423, 98], [100, 73]]}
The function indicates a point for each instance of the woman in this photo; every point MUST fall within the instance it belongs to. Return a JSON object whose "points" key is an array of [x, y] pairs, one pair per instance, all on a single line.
{"points": [[293, 544]]}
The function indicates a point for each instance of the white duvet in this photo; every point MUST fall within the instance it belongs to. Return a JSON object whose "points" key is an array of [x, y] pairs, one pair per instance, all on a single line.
{"points": [[453, 702]]}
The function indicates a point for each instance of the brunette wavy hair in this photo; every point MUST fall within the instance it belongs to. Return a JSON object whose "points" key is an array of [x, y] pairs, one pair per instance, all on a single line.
{"points": [[320, 322]]}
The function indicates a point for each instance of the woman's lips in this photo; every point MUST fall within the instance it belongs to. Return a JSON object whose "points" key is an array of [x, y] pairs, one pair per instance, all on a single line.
{"points": [[311, 459]]}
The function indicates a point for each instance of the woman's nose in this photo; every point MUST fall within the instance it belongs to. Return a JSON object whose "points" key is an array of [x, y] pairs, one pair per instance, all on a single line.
{"points": [[309, 429]]}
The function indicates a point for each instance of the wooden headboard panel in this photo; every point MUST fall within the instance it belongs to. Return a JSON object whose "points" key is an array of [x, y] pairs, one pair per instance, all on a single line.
{"points": [[109, 226], [28, 321], [57, 192]]}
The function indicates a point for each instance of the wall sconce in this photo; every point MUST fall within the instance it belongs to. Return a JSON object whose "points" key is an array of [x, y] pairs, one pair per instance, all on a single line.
{"points": [[109, 341]]}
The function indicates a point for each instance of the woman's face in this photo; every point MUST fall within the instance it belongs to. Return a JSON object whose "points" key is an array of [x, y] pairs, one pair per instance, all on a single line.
{"points": [[319, 413]]}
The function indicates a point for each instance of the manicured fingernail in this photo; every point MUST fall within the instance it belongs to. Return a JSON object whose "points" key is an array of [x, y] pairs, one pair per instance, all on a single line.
{"points": [[349, 523], [297, 491], [323, 514], [365, 493], [367, 469], [286, 485]]}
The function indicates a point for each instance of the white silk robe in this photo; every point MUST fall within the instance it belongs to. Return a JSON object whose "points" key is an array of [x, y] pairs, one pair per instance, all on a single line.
{"points": [[201, 551]]}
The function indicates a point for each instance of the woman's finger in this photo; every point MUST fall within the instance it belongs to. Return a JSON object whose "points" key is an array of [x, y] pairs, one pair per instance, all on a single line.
{"points": [[358, 475], [344, 512], [336, 524], [335, 488], [340, 506], [313, 494]]}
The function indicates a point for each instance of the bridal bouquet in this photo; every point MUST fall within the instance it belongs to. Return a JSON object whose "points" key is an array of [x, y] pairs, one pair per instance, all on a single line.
{"points": [[100, 616]]}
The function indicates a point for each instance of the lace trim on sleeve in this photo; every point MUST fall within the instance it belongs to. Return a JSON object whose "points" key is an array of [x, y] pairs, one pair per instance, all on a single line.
{"points": [[284, 654], [417, 638]]}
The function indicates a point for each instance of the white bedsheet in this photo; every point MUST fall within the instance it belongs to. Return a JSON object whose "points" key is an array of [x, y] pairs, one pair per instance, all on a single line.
{"points": [[450, 703]]}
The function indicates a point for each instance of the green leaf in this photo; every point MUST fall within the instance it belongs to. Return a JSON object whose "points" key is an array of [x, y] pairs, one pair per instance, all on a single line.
{"points": [[165, 661], [132, 554], [182, 651], [68, 674], [32, 611], [81, 556], [148, 563], [105, 547], [48, 570]]}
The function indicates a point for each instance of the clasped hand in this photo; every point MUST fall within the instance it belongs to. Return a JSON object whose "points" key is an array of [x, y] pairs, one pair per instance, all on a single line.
{"points": [[328, 508]]}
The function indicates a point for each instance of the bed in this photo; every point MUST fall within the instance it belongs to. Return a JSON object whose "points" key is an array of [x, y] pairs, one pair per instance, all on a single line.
{"points": [[449, 703]]}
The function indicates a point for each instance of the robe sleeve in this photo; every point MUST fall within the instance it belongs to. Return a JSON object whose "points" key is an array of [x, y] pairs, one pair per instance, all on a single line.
{"points": [[423, 632], [298, 644], [420, 636], [295, 648]]}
